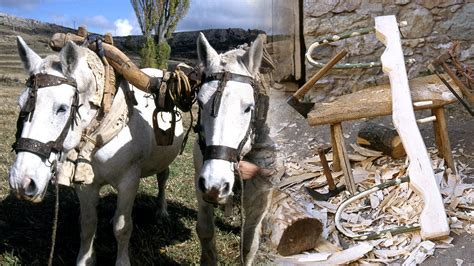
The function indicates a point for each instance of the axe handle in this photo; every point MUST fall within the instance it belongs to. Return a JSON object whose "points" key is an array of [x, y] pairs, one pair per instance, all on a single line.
{"points": [[326, 169], [115, 57], [310, 83]]}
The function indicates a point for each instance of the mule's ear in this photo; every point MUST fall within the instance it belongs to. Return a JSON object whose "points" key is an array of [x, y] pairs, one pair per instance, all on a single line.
{"points": [[69, 57], [29, 58], [206, 53], [253, 57]]}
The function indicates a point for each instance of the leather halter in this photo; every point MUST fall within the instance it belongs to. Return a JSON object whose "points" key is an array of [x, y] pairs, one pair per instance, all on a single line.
{"points": [[219, 151], [43, 150]]}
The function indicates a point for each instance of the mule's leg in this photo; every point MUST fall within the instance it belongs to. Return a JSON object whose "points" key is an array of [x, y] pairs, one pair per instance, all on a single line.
{"points": [[127, 190], [205, 231], [257, 200], [162, 212], [88, 197]]}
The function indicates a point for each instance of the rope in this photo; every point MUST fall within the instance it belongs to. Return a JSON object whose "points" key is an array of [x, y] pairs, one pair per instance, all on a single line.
{"points": [[55, 219], [180, 90], [342, 36], [242, 217], [183, 96]]}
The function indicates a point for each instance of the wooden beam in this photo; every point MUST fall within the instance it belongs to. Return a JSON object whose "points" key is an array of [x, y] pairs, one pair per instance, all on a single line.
{"points": [[344, 158], [377, 101], [433, 221]]}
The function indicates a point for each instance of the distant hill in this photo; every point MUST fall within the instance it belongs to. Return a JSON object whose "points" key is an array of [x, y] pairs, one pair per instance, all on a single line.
{"points": [[37, 34]]}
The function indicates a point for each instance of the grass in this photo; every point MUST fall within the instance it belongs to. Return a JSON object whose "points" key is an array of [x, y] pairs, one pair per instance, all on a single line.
{"points": [[25, 228]]}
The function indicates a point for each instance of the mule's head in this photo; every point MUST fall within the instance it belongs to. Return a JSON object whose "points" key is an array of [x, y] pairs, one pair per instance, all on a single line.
{"points": [[68, 77], [225, 127]]}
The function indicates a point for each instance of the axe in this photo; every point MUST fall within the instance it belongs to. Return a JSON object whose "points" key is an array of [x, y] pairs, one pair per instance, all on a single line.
{"points": [[294, 100]]}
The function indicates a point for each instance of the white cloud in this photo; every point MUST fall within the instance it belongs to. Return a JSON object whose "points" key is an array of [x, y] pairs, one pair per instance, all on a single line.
{"points": [[123, 27], [248, 14], [98, 21]]}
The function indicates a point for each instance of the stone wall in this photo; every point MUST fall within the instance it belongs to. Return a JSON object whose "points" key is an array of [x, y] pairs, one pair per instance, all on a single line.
{"points": [[432, 27]]}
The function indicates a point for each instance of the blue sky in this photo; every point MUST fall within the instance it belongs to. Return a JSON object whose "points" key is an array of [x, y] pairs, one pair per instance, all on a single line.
{"points": [[117, 16]]}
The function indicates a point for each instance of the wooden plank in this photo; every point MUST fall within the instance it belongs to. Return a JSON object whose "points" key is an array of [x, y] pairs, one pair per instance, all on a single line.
{"points": [[441, 130], [433, 221], [377, 101], [344, 158]]}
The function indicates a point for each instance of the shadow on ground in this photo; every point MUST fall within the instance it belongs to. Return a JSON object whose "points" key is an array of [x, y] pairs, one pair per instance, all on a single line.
{"points": [[25, 230]]}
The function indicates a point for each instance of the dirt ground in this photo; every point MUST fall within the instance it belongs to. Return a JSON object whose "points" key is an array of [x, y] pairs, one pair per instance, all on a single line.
{"points": [[297, 141]]}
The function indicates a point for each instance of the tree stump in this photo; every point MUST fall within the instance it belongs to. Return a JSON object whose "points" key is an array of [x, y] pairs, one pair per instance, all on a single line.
{"points": [[291, 229], [381, 138]]}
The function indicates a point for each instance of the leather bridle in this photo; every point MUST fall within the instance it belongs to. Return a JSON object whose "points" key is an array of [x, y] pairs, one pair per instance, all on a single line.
{"points": [[219, 151], [44, 150]]}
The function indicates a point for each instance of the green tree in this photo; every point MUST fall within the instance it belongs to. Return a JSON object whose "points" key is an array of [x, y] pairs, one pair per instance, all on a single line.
{"points": [[162, 16], [147, 18], [169, 12]]}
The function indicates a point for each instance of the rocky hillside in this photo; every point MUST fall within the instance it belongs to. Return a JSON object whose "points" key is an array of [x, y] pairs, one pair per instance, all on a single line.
{"points": [[37, 34]]}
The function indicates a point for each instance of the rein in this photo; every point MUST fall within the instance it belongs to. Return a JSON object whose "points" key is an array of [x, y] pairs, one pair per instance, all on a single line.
{"points": [[44, 150]]}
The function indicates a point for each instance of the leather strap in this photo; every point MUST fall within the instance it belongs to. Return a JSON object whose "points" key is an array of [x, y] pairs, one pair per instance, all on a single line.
{"points": [[230, 77], [35, 82], [39, 148], [218, 151], [221, 153], [42, 80]]}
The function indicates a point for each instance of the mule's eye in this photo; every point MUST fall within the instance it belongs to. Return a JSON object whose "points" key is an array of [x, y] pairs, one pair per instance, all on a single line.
{"points": [[248, 109], [61, 109]]}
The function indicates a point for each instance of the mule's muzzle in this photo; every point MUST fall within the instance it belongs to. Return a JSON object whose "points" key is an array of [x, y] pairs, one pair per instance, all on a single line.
{"points": [[215, 194], [28, 190]]}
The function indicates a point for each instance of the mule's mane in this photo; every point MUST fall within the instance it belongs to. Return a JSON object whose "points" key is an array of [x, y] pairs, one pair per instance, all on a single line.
{"points": [[51, 62]]}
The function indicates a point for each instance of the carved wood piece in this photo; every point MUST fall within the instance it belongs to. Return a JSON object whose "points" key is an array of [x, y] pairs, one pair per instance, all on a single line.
{"points": [[433, 221]]}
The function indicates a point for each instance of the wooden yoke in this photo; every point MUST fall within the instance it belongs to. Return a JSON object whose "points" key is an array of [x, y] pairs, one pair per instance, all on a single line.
{"points": [[433, 221], [119, 61]]}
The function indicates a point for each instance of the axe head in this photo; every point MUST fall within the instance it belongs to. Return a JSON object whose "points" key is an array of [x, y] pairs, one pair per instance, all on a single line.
{"points": [[302, 108]]}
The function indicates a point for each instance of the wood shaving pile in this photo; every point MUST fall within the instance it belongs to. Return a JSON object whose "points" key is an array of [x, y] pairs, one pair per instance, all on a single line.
{"points": [[388, 208]]}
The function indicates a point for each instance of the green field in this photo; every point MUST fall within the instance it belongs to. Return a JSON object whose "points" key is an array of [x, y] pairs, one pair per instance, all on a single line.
{"points": [[25, 228]]}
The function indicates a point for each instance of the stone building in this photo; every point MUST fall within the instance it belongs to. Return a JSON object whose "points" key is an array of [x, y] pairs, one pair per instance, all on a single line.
{"points": [[432, 27]]}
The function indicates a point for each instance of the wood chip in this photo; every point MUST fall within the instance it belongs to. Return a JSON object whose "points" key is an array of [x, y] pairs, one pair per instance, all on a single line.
{"points": [[365, 152], [421, 252], [308, 257], [297, 179], [325, 246], [346, 256]]}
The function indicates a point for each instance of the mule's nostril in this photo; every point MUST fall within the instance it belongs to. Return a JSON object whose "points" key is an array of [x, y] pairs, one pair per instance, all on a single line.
{"points": [[226, 188], [202, 184], [29, 187]]}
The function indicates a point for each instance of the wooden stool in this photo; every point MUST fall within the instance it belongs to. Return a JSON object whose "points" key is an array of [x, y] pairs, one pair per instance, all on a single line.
{"points": [[426, 92]]}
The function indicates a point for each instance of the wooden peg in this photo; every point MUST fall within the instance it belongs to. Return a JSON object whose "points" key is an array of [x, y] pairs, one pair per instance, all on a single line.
{"points": [[82, 31], [426, 119], [108, 38]]}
